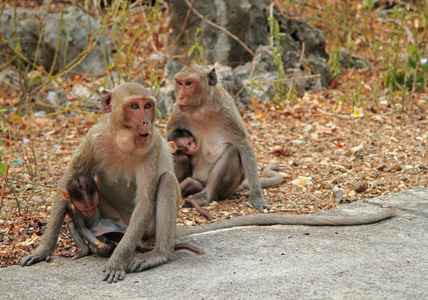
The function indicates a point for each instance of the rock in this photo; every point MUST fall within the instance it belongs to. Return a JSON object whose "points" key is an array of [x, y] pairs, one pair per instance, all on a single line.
{"points": [[248, 20], [337, 193], [420, 149], [362, 187], [348, 61], [375, 135], [29, 24], [308, 129], [9, 80], [299, 142]]}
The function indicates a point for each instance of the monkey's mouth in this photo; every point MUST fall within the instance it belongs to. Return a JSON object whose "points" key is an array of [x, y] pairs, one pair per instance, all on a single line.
{"points": [[184, 108], [143, 135]]}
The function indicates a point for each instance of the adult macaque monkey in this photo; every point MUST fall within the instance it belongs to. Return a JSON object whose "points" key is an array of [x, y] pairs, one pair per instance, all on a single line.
{"points": [[136, 182], [225, 155]]}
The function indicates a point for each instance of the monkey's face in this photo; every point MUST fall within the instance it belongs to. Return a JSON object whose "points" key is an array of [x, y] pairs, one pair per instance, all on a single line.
{"points": [[187, 145], [187, 92], [138, 115], [88, 205]]}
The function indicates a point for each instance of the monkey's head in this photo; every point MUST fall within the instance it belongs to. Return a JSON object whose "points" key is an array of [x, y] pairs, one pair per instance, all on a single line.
{"points": [[82, 192], [182, 142], [193, 84], [132, 112]]}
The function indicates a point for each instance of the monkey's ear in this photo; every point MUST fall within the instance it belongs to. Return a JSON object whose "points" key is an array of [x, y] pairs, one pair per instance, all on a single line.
{"points": [[97, 181], [105, 104], [65, 195], [212, 77], [173, 146]]}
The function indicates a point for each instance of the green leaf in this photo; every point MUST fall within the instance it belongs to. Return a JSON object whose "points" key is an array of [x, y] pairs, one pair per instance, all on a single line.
{"points": [[201, 51], [191, 50], [2, 169]]}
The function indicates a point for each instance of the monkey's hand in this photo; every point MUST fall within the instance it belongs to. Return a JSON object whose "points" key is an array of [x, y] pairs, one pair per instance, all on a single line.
{"points": [[115, 269], [34, 258], [104, 249]]}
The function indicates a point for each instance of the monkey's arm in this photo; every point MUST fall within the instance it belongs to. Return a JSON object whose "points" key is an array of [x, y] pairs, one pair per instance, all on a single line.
{"points": [[249, 163], [82, 161], [144, 208]]}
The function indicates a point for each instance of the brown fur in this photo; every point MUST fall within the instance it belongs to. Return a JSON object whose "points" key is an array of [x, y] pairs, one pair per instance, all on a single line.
{"points": [[135, 172], [225, 154]]}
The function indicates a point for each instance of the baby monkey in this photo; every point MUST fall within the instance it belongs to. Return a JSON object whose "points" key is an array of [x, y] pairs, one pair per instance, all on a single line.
{"points": [[82, 193], [183, 147]]}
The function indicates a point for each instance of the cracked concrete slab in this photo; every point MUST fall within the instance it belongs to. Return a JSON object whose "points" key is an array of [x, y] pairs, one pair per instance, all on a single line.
{"points": [[387, 260]]}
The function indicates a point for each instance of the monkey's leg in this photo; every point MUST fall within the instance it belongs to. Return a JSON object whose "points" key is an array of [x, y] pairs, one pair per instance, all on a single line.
{"points": [[225, 177], [79, 241], [167, 195]]}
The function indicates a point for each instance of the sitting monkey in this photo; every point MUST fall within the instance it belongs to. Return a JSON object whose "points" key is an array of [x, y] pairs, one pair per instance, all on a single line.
{"points": [[82, 193]]}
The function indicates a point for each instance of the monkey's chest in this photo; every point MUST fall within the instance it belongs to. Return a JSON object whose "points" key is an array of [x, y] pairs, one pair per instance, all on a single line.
{"points": [[208, 155]]}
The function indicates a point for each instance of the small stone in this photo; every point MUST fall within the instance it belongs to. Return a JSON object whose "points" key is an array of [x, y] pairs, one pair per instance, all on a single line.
{"points": [[381, 167], [420, 149], [375, 135], [308, 129], [387, 169], [362, 187], [396, 167], [337, 193], [298, 142]]}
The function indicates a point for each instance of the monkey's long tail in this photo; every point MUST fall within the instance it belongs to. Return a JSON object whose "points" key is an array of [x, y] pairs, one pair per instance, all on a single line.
{"points": [[279, 219]]}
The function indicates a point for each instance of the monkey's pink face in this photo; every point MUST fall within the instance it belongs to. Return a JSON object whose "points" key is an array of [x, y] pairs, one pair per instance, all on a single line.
{"points": [[187, 91], [138, 114], [187, 145], [87, 206]]}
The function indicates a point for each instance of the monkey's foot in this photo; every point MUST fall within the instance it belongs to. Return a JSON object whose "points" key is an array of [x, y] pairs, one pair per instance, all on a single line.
{"points": [[259, 204], [144, 261], [33, 258]]}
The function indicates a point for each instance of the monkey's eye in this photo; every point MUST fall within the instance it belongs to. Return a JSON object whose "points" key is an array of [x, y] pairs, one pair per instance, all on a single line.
{"points": [[189, 143], [188, 83], [179, 83], [147, 105], [134, 105]]}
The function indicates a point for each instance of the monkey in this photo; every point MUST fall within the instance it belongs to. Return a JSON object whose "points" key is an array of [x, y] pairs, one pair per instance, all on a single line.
{"points": [[225, 155], [183, 147], [137, 184], [82, 192]]}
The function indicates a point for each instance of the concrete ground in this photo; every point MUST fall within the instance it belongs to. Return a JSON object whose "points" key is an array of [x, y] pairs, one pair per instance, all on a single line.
{"points": [[388, 260]]}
